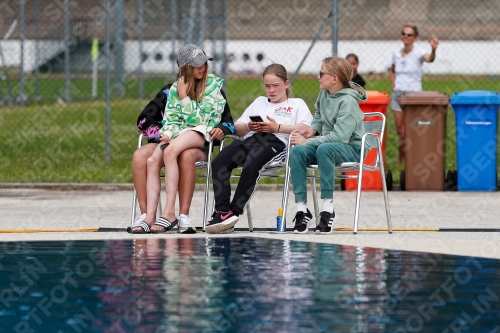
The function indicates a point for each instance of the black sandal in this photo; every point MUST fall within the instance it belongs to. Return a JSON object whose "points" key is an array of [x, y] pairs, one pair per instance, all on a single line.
{"points": [[165, 224], [144, 228]]}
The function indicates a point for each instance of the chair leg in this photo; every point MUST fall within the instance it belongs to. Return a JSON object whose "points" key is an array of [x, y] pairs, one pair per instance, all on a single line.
{"points": [[205, 206], [358, 198], [384, 188], [284, 200], [249, 217], [315, 196], [134, 206]]}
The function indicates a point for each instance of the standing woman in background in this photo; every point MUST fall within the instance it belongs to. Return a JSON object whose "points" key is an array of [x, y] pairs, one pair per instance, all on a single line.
{"points": [[406, 74]]}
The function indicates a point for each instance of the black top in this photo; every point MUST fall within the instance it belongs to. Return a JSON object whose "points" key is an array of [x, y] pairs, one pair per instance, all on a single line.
{"points": [[359, 80], [149, 121]]}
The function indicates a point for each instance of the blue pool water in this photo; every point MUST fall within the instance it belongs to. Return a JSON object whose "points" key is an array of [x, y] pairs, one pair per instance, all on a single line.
{"points": [[241, 285]]}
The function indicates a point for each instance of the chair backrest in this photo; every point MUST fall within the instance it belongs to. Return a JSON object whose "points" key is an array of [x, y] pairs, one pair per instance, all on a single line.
{"points": [[375, 124]]}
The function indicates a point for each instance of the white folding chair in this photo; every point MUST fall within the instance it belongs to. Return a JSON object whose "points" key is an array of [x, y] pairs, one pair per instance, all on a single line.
{"points": [[204, 166], [372, 127], [270, 171]]}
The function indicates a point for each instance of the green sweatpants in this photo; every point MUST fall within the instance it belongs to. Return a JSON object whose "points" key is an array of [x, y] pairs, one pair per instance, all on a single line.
{"points": [[326, 156]]}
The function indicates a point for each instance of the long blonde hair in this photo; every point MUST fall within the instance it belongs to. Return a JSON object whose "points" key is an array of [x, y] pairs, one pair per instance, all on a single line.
{"points": [[342, 68], [196, 88]]}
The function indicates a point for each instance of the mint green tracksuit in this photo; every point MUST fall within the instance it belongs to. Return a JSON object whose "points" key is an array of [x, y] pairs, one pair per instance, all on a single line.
{"points": [[339, 123]]}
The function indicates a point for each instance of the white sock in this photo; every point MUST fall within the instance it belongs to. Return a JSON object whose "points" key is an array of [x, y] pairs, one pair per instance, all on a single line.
{"points": [[302, 206], [328, 205]]}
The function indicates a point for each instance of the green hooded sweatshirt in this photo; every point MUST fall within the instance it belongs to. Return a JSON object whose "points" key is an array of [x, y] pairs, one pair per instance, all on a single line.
{"points": [[338, 118]]}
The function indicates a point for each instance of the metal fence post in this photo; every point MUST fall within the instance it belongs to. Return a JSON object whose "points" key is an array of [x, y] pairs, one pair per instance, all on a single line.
{"points": [[107, 88], [201, 36], [212, 25], [119, 88], [141, 27], [335, 27], [66, 51], [37, 49], [192, 14], [21, 40], [173, 17], [224, 39]]}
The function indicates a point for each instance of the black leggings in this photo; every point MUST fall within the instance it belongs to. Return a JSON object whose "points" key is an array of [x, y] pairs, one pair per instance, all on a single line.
{"points": [[252, 154]]}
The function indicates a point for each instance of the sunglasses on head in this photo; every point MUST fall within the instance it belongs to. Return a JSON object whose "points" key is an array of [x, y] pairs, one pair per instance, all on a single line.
{"points": [[406, 34], [323, 73]]}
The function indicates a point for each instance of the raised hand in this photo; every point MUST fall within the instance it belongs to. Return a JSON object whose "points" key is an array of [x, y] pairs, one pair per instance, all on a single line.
{"points": [[433, 41], [182, 87]]}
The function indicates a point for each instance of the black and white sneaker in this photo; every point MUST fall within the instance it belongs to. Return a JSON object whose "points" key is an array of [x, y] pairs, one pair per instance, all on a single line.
{"points": [[302, 222], [326, 222], [221, 221]]}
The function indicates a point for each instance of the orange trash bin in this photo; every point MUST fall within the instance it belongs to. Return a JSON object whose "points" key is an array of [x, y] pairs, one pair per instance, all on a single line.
{"points": [[376, 102]]}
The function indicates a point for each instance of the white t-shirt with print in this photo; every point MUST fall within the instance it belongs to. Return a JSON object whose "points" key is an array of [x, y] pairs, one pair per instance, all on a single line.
{"points": [[408, 69], [290, 112]]}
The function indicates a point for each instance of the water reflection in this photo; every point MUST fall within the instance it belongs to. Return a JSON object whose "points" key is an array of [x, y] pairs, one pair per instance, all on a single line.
{"points": [[241, 285]]}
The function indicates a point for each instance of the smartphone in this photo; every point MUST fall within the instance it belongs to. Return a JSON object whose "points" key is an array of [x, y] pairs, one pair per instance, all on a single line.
{"points": [[256, 119]]}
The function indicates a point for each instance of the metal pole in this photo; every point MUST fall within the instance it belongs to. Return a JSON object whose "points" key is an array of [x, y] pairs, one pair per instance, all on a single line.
{"points": [[213, 27], [141, 27], [118, 48], [37, 49], [173, 27], [66, 51], [335, 27], [192, 13], [201, 36], [4, 64], [21, 40], [107, 88], [320, 31], [224, 39]]}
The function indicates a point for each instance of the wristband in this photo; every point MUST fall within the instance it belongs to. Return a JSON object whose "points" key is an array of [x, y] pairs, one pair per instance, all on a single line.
{"points": [[248, 127], [279, 125]]}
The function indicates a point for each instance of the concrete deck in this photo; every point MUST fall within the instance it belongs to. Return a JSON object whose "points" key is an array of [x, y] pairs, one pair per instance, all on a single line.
{"points": [[31, 208]]}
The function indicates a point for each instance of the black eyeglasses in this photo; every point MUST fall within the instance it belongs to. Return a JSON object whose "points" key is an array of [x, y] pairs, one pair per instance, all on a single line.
{"points": [[323, 73], [406, 34]]}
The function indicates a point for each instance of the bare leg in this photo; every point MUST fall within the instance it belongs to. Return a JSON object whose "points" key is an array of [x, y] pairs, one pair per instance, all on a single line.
{"points": [[154, 165], [139, 172], [186, 140], [187, 176], [399, 118]]}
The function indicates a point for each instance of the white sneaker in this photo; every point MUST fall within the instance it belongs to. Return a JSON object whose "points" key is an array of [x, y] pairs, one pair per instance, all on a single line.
{"points": [[228, 231], [137, 223], [185, 225]]}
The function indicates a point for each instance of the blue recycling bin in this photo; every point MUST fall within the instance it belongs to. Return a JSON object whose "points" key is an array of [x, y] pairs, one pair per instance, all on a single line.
{"points": [[476, 113]]}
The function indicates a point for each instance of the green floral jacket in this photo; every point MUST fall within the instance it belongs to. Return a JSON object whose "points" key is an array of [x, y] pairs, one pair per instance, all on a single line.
{"points": [[206, 112]]}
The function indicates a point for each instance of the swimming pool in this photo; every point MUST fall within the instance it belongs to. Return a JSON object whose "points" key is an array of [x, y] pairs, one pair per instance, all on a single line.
{"points": [[241, 285]]}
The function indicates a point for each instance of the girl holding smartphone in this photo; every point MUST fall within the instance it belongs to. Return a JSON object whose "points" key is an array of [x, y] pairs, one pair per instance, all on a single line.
{"points": [[264, 142]]}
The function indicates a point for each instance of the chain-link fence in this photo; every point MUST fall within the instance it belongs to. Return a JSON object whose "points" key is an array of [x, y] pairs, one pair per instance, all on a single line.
{"points": [[55, 53]]}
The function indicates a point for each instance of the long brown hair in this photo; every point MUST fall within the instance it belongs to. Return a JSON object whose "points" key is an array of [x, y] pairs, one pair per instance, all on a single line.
{"points": [[343, 69], [279, 71], [196, 88]]}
